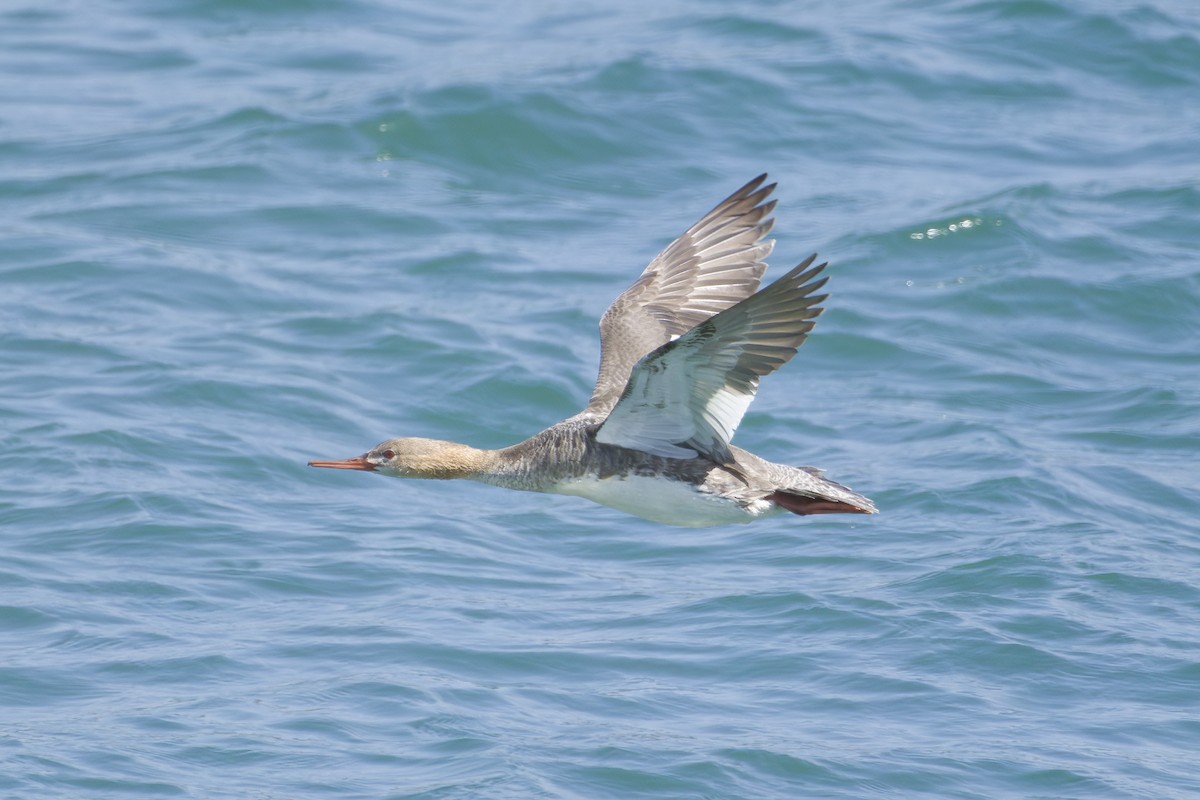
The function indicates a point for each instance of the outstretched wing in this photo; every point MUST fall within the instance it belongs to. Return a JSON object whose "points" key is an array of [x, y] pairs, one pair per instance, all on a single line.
{"points": [[688, 396], [716, 263]]}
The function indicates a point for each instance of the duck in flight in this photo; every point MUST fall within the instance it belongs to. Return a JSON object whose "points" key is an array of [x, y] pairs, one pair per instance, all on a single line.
{"points": [[681, 353]]}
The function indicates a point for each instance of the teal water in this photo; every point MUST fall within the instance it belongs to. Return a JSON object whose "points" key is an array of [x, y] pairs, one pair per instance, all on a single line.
{"points": [[236, 236]]}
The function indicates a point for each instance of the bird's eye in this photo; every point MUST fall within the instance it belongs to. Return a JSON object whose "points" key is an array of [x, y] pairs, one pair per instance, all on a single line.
{"points": [[389, 454]]}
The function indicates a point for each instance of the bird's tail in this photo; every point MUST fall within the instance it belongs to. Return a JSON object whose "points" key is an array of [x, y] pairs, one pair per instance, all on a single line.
{"points": [[819, 495]]}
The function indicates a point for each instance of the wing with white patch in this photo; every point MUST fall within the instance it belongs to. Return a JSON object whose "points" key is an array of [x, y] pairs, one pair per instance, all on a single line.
{"points": [[688, 396], [711, 266]]}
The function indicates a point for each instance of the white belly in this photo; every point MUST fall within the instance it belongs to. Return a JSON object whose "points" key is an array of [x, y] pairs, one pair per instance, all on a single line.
{"points": [[663, 500]]}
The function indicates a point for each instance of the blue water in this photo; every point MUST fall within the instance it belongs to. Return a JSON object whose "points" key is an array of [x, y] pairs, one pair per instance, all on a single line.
{"points": [[235, 236]]}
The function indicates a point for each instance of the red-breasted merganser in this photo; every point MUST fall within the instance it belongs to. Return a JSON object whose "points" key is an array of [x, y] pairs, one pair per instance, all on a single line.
{"points": [[681, 354]]}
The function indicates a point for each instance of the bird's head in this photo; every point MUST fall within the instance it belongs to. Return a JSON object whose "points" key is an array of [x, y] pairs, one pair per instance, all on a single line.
{"points": [[412, 457]]}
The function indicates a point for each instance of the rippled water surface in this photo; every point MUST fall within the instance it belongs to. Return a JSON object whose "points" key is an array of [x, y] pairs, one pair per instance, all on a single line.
{"points": [[236, 236]]}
